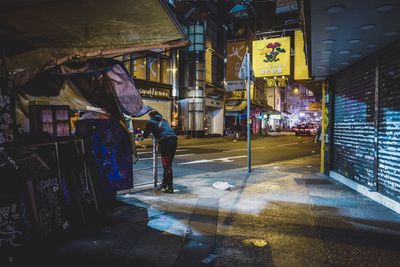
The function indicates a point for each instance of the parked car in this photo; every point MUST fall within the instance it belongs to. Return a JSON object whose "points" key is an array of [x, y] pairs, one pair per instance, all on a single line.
{"points": [[306, 129]]}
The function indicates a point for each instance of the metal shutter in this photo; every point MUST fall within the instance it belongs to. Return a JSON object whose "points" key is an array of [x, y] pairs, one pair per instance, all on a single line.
{"points": [[389, 122], [354, 129]]}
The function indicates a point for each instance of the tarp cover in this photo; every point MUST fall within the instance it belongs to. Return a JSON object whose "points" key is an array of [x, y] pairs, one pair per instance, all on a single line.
{"points": [[58, 29], [102, 83]]}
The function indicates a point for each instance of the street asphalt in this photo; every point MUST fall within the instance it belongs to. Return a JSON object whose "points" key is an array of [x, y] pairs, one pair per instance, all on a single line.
{"points": [[196, 156]]}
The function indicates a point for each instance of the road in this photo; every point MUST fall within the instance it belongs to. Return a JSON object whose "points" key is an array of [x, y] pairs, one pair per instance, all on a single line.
{"points": [[196, 156]]}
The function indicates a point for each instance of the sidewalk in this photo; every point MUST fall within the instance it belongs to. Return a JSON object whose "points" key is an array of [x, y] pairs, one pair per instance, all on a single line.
{"points": [[283, 214]]}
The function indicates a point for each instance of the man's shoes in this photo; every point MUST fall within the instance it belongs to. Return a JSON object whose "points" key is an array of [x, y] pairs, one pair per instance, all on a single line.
{"points": [[168, 189], [161, 187]]}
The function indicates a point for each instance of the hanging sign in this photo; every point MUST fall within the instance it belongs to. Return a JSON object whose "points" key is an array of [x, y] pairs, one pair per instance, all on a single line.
{"points": [[235, 56], [271, 57], [300, 66]]}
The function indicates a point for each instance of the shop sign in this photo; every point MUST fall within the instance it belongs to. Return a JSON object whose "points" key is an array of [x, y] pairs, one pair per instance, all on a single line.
{"points": [[155, 92], [235, 85], [315, 106], [213, 103], [271, 57], [236, 51], [237, 94]]}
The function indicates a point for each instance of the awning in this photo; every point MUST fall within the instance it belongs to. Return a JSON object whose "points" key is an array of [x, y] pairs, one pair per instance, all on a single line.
{"points": [[34, 32], [242, 105], [102, 83], [234, 108]]}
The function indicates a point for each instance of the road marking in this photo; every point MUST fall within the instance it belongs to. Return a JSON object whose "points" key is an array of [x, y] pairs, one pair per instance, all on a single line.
{"points": [[227, 159], [289, 144], [176, 156], [184, 155], [308, 141], [199, 145], [244, 149], [147, 152]]}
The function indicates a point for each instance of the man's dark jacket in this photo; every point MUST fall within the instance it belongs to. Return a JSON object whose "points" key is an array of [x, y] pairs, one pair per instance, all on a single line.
{"points": [[159, 128]]}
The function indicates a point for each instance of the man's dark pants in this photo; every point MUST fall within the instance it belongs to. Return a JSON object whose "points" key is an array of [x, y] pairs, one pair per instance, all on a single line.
{"points": [[167, 150]]}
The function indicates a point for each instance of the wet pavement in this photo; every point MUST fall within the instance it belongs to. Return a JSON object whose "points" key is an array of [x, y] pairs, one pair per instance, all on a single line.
{"points": [[282, 214]]}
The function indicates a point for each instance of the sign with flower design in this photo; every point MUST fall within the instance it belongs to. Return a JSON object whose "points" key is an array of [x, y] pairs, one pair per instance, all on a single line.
{"points": [[271, 57]]}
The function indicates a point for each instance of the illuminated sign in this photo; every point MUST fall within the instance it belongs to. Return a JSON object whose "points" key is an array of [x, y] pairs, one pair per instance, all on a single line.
{"points": [[314, 106], [155, 92], [271, 57], [235, 55]]}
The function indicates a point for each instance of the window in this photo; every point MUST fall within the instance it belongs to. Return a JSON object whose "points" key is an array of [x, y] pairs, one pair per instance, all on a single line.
{"points": [[209, 61], [196, 38], [309, 93], [153, 69], [127, 62], [139, 67], [166, 71]]}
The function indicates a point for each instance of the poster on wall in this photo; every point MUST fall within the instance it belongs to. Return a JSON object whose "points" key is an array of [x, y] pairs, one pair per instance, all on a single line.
{"points": [[271, 57], [6, 113]]}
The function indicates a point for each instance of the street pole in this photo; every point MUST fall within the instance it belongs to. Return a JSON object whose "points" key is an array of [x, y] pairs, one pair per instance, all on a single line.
{"points": [[248, 112], [155, 162]]}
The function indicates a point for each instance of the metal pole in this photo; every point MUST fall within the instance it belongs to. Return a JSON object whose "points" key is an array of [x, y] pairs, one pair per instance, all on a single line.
{"points": [[155, 163], [248, 113]]}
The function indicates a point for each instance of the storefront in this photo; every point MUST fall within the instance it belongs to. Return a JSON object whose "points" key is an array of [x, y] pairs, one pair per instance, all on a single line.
{"points": [[157, 96], [214, 117], [214, 120], [236, 114]]}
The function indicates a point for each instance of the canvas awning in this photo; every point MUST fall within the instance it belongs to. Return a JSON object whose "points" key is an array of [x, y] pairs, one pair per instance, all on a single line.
{"points": [[33, 32], [102, 83]]}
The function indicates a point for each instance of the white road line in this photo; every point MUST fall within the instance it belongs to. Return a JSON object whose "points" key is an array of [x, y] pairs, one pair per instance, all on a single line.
{"points": [[289, 144], [184, 155], [244, 149], [149, 152], [176, 156], [198, 145], [227, 159]]}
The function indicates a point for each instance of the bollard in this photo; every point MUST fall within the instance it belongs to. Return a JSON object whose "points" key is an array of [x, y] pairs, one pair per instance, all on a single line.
{"points": [[155, 162]]}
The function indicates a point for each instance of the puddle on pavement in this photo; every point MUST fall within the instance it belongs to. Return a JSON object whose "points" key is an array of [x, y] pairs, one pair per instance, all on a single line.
{"points": [[255, 242], [159, 219]]}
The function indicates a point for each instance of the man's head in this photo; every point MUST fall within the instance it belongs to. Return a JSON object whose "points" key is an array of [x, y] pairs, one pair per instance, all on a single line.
{"points": [[153, 113]]}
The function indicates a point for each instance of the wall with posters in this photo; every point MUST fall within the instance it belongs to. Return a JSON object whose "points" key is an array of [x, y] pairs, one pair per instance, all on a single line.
{"points": [[6, 111]]}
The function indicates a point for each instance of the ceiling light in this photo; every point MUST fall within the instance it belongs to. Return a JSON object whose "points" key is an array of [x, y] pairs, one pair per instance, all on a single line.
{"points": [[372, 46], [328, 41], [334, 69], [354, 41], [344, 52], [321, 67], [334, 9], [327, 52], [345, 63], [391, 33], [331, 28], [324, 60], [356, 55], [368, 27], [384, 8]]}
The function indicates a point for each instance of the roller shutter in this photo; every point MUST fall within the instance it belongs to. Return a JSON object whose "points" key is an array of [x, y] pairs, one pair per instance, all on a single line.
{"points": [[389, 122], [354, 128]]}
